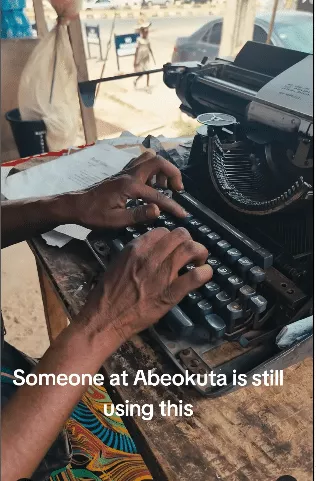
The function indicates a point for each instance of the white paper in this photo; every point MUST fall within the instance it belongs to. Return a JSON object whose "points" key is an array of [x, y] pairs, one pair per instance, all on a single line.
{"points": [[292, 89], [56, 239], [4, 174], [66, 174], [75, 172], [73, 230]]}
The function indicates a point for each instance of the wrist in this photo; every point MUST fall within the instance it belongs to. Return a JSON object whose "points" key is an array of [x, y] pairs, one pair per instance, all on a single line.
{"points": [[99, 332], [57, 209]]}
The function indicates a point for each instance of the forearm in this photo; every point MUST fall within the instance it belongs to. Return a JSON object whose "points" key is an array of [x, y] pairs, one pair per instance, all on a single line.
{"points": [[23, 219], [36, 414]]}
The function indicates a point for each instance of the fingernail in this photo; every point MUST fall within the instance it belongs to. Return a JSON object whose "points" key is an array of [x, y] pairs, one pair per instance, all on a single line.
{"points": [[155, 209]]}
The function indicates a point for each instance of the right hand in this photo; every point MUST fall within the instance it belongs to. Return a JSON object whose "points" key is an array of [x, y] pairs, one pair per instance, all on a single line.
{"points": [[143, 283]]}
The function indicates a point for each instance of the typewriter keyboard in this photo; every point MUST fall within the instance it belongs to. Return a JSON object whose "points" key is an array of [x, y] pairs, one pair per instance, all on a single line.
{"points": [[223, 310]]}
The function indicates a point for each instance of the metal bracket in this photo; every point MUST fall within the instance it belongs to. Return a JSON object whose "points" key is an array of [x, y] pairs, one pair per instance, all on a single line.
{"points": [[87, 89]]}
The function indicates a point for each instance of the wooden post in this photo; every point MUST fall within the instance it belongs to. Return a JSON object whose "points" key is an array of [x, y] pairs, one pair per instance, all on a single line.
{"points": [[274, 11], [238, 25], [87, 114], [41, 25]]}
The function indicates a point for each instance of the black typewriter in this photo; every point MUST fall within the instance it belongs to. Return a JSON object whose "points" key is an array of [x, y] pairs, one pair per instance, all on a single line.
{"points": [[248, 194]]}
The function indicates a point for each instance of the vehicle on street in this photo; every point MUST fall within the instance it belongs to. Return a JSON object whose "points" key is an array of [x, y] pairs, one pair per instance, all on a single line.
{"points": [[292, 29], [109, 4], [150, 3]]}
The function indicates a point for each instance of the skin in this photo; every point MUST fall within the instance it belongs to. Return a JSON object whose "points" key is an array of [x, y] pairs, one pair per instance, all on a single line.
{"points": [[36, 414]]}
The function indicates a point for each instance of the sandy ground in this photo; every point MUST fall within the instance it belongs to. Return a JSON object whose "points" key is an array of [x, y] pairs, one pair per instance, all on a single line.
{"points": [[21, 301]]}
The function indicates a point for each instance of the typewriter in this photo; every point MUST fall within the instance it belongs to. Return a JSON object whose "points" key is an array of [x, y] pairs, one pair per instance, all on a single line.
{"points": [[248, 194]]}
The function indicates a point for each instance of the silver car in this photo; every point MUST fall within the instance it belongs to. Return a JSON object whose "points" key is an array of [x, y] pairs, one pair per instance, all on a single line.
{"points": [[292, 29]]}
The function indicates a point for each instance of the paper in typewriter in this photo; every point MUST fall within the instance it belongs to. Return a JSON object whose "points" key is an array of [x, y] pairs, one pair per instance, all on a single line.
{"points": [[292, 89]]}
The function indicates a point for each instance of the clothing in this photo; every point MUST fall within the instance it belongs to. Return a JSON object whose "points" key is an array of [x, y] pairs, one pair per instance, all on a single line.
{"points": [[102, 447], [92, 446], [14, 23], [142, 56]]}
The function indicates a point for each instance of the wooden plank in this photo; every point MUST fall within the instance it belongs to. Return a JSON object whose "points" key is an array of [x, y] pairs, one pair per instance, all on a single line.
{"points": [[56, 319], [87, 114], [41, 25], [255, 433]]}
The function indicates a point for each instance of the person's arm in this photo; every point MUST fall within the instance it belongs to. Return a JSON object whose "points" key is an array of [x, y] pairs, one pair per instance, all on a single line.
{"points": [[136, 55], [146, 271], [101, 206], [151, 52], [23, 219]]}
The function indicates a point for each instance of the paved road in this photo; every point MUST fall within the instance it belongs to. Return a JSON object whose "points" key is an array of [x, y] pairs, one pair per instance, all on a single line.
{"points": [[163, 34]]}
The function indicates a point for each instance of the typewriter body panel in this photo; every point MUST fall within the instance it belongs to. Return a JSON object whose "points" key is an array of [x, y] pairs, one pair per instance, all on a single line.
{"points": [[261, 172], [248, 192]]}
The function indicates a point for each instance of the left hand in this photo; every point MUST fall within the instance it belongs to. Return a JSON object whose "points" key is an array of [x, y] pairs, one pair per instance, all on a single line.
{"points": [[104, 205]]}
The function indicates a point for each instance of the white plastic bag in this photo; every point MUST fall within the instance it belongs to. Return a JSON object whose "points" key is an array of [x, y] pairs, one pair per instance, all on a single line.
{"points": [[52, 96]]}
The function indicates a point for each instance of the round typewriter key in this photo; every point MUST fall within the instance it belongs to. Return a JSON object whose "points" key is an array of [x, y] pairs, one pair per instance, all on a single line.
{"points": [[187, 219], [256, 275], [222, 274], [243, 265], [170, 225], [245, 293], [258, 304], [130, 231], [234, 283], [187, 268], [193, 298], [222, 299], [210, 289], [233, 312], [232, 255], [203, 309], [214, 263], [162, 218], [222, 246], [211, 239], [216, 325], [193, 225], [203, 231]]}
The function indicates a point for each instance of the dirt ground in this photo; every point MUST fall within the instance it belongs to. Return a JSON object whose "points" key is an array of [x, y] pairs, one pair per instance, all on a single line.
{"points": [[22, 306]]}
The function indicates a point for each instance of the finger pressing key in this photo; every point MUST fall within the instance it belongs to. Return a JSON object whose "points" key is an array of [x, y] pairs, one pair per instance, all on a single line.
{"points": [[152, 196], [194, 279]]}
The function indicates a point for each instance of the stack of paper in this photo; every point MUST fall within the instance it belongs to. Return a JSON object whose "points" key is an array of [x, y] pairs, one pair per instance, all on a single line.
{"points": [[75, 172]]}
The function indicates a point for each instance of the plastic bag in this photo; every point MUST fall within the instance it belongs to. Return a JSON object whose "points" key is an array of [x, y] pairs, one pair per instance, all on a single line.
{"points": [[48, 85]]}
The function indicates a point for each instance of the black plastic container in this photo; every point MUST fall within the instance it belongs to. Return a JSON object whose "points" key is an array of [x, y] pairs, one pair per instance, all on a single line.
{"points": [[29, 135]]}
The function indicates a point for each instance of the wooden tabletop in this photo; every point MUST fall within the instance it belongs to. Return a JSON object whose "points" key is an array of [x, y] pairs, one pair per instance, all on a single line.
{"points": [[253, 434]]}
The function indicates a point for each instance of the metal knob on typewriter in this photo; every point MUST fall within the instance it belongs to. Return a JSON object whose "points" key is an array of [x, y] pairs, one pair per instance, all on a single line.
{"points": [[222, 125]]}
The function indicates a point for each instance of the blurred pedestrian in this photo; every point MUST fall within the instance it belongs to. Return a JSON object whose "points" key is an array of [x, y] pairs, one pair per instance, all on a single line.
{"points": [[143, 53]]}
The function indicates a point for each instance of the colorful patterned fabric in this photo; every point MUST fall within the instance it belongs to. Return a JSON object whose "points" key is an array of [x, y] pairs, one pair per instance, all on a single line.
{"points": [[103, 449]]}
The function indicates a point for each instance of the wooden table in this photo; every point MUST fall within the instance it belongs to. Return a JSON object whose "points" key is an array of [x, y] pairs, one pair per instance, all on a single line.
{"points": [[252, 434]]}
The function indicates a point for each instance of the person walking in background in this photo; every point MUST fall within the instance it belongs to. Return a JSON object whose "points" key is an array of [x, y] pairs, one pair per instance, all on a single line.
{"points": [[143, 53]]}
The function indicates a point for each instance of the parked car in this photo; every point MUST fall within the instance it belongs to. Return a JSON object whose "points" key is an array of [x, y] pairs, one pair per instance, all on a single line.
{"points": [[292, 29], [97, 4], [109, 4], [150, 3]]}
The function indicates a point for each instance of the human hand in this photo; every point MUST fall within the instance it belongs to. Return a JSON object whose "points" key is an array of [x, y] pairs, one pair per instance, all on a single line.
{"points": [[143, 283], [104, 205]]}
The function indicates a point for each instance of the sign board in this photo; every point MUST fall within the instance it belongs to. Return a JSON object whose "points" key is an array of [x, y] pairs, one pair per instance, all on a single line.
{"points": [[93, 38], [125, 45], [305, 5], [93, 34]]}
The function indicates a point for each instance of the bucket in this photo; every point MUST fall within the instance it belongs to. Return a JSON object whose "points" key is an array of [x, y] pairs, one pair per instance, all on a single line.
{"points": [[29, 135]]}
